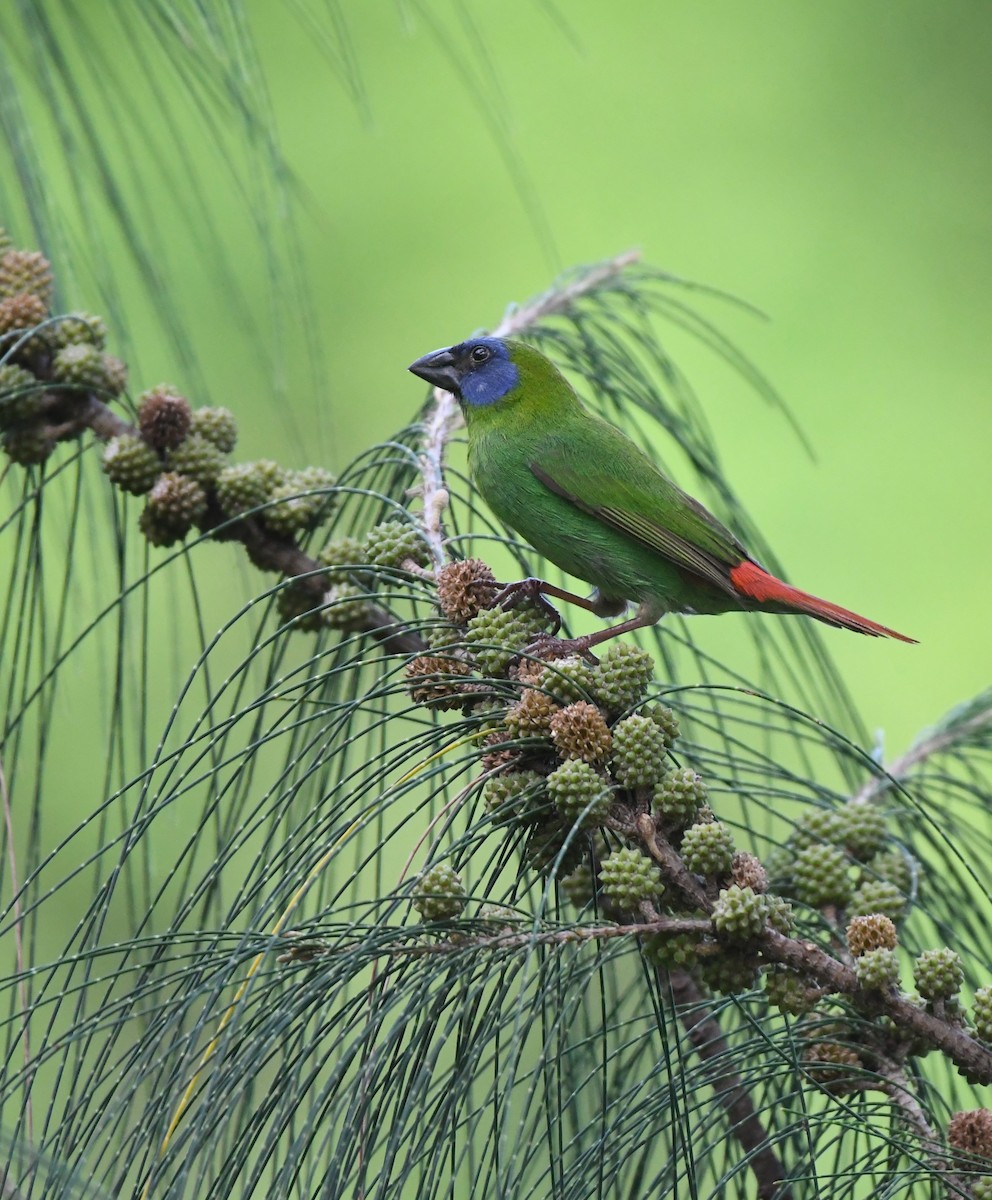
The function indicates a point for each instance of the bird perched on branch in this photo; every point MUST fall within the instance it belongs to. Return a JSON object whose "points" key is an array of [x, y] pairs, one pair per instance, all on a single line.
{"points": [[590, 500]]}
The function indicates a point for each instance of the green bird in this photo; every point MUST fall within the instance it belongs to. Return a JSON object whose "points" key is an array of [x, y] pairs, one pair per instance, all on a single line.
{"points": [[590, 500]]}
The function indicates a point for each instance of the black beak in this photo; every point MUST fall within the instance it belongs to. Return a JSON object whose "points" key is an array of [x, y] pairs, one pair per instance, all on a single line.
{"points": [[438, 368]]}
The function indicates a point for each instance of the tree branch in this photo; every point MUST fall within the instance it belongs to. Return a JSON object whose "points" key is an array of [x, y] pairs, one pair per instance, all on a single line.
{"points": [[974, 1059], [729, 1090], [934, 742], [267, 550]]}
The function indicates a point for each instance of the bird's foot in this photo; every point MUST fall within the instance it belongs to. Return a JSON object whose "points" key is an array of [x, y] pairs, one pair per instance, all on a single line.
{"points": [[485, 585], [528, 589], [548, 647]]}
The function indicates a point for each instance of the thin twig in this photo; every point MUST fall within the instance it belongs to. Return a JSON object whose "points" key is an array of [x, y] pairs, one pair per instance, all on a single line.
{"points": [[900, 1092], [509, 938], [559, 299], [768, 947], [902, 1095], [924, 749]]}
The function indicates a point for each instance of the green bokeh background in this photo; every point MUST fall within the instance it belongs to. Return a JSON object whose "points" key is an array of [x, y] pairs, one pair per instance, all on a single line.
{"points": [[828, 163]]}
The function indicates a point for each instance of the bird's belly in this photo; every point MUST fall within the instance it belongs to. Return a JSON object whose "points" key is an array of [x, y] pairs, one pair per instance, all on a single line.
{"points": [[606, 561], [582, 546]]}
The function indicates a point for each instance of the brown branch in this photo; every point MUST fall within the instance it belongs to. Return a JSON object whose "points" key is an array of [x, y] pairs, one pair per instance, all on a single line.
{"points": [[729, 1089], [961, 1048], [836, 976], [283, 555], [268, 551], [673, 868]]}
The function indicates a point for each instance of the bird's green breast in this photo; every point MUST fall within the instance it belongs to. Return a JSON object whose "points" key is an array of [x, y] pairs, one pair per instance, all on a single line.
{"points": [[554, 527]]}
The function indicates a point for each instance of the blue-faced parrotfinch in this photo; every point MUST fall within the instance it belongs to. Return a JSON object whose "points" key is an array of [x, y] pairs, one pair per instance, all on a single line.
{"points": [[592, 502]]}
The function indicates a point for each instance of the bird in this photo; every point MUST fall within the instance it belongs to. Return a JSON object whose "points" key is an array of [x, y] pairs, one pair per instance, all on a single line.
{"points": [[592, 502]]}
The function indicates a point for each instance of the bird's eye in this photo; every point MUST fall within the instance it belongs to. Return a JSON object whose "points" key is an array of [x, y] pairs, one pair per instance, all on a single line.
{"points": [[480, 354]]}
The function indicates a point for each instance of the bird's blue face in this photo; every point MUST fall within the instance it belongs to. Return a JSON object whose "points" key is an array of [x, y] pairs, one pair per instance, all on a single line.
{"points": [[479, 371]]}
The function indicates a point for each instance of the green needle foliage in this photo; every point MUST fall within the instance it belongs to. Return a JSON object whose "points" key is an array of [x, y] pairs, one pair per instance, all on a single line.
{"points": [[316, 951], [365, 898]]}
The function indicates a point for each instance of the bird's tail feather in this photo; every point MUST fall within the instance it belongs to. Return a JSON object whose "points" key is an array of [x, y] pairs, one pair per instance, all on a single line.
{"points": [[757, 584]]}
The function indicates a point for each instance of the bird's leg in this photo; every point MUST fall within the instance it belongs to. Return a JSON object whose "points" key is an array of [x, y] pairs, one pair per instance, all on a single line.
{"points": [[530, 589], [534, 590], [547, 647], [647, 614], [537, 589]]}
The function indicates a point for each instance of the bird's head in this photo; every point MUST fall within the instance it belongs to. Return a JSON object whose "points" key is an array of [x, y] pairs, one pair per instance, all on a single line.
{"points": [[478, 372]]}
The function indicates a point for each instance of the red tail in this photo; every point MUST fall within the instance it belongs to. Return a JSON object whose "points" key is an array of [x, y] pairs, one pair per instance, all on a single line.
{"points": [[756, 584]]}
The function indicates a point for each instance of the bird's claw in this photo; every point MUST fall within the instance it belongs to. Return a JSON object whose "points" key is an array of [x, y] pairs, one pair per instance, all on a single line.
{"points": [[528, 589], [547, 648], [485, 585]]}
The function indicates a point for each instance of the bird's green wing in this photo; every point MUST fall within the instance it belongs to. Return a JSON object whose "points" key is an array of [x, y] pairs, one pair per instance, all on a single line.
{"points": [[603, 473]]}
